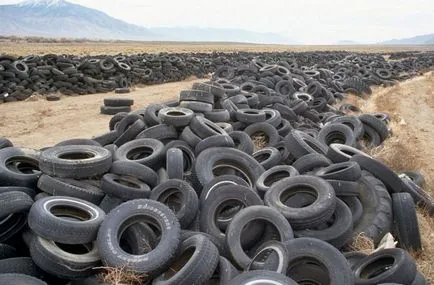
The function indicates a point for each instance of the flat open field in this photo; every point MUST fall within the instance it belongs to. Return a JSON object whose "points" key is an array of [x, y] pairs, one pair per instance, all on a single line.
{"points": [[22, 47]]}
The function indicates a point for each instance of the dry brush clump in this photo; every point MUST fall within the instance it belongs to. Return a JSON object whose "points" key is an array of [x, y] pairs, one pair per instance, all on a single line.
{"points": [[121, 276]]}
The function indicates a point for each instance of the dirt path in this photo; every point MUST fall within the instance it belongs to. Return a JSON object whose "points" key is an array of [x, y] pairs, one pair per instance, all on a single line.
{"points": [[41, 123]]}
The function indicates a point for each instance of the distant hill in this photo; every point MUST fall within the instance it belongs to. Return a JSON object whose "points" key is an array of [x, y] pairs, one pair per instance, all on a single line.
{"points": [[418, 40], [347, 42], [59, 18]]}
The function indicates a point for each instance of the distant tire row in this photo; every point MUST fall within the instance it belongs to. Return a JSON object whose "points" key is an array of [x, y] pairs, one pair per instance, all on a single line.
{"points": [[72, 75], [239, 181]]}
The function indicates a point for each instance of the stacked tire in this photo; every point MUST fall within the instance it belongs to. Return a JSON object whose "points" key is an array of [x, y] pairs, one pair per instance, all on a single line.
{"points": [[115, 105]]}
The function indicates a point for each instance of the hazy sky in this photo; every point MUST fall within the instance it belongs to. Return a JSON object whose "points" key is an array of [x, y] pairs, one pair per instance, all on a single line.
{"points": [[308, 21]]}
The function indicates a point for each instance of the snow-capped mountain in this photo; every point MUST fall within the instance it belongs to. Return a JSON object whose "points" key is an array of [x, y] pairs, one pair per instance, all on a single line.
{"points": [[60, 18]]}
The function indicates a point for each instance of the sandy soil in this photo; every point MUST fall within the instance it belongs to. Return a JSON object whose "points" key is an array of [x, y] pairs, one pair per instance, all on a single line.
{"points": [[42, 123], [20, 48]]}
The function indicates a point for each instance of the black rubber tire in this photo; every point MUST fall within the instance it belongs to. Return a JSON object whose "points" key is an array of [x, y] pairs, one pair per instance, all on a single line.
{"points": [[355, 206], [196, 95], [224, 273], [75, 161], [420, 197], [208, 159], [199, 266], [353, 122], [341, 153], [14, 213], [323, 258], [196, 106], [346, 171], [345, 188], [247, 215], [250, 116], [393, 183], [220, 181], [379, 126], [14, 202], [133, 150], [272, 176], [387, 265], [7, 251], [151, 114], [19, 279], [130, 133], [303, 216], [354, 257], [214, 141], [179, 196], [4, 143], [267, 157], [63, 263], [212, 88], [188, 154], [311, 162], [370, 137], [176, 116], [116, 119], [29, 191], [405, 223], [118, 101], [108, 203], [336, 133], [218, 115], [46, 219], [71, 188], [269, 131], [152, 263], [416, 177], [271, 255], [159, 132], [175, 163], [261, 277], [106, 138], [205, 128], [124, 187], [114, 110], [376, 220], [20, 265], [78, 142], [299, 144], [242, 141], [337, 232], [190, 137], [19, 167], [134, 169], [235, 196]]}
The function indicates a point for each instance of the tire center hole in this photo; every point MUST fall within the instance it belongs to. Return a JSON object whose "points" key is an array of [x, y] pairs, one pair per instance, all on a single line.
{"points": [[139, 153], [76, 155], [70, 213], [299, 197]]}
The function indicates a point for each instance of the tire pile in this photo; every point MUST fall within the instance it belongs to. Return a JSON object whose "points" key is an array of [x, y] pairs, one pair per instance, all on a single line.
{"points": [[71, 75], [251, 178]]}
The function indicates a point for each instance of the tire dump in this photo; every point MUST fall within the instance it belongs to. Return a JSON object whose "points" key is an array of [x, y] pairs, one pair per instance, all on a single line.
{"points": [[260, 174]]}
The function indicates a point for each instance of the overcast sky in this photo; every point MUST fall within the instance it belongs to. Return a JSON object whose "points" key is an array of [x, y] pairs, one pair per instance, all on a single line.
{"points": [[307, 22]]}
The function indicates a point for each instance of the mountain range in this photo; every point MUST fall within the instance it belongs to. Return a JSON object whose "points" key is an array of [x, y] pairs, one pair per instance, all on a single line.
{"points": [[60, 18]]}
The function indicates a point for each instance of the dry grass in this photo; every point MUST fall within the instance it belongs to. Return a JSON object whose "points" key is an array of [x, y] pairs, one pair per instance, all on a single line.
{"points": [[259, 140], [425, 258], [121, 276], [362, 243]]}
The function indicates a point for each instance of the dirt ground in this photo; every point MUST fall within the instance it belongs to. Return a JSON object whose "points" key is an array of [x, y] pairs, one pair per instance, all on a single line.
{"points": [[22, 48], [39, 123]]}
